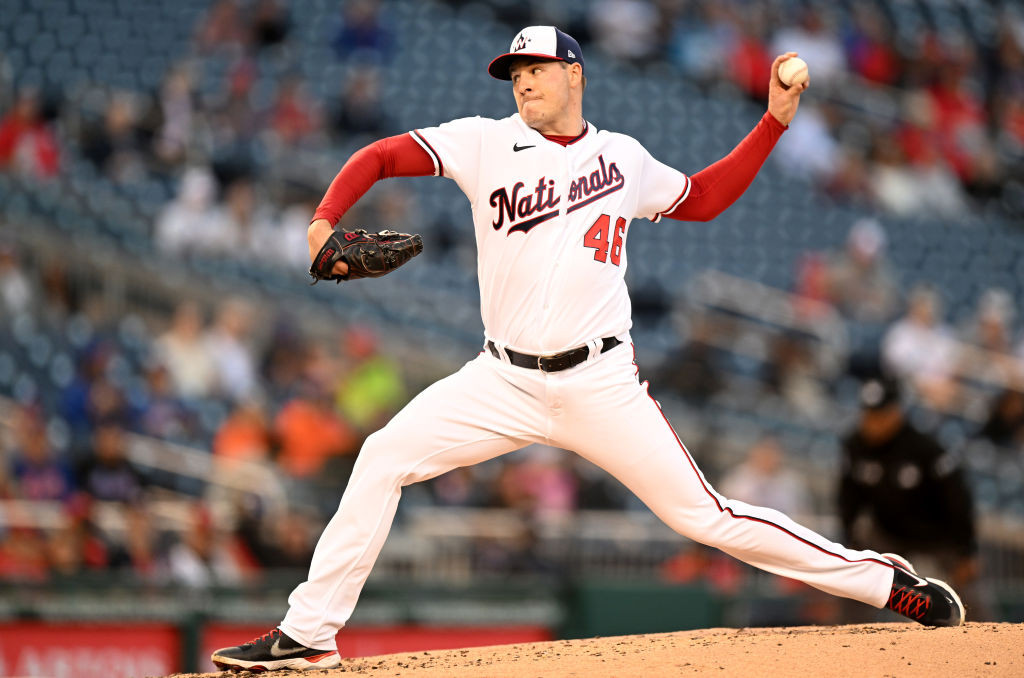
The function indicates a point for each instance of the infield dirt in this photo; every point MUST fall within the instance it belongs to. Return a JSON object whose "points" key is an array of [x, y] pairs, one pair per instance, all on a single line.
{"points": [[976, 649]]}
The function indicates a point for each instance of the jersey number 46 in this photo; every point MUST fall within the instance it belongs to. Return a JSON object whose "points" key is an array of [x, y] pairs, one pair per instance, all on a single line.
{"points": [[601, 238]]}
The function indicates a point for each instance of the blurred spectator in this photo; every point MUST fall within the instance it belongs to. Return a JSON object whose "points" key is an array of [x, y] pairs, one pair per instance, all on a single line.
{"points": [[92, 362], [62, 296], [1005, 424], [625, 29], [518, 553], [763, 480], [234, 121], [223, 26], [37, 474], [240, 226], [162, 413], [958, 109], [294, 116], [360, 110], [458, 487], [916, 144], [362, 32], [860, 282], [749, 59], [284, 357], [108, 475], [183, 349], [27, 143], [699, 564], [372, 388], [245, 434], [230, 346], [80, 545], [270, 23], [700, 39], [919, 349], [91, 396], [310, 433], [808, 148], [205, 556], [278, 541], [185, 225], [814, 39], [537, 482], [869, 47], [990, 330], [291, 250], [116, 144], [792, 372], [15, 290], [597, 490], [693, 370], [176, 117], [23, 555], [901, 492]]}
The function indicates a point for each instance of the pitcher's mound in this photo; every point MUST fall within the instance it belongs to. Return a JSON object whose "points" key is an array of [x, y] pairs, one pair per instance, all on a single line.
{"points": [[837, 651]]}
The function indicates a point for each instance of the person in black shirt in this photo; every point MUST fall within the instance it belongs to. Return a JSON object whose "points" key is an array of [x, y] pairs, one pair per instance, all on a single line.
{"points": [[901, 491]]}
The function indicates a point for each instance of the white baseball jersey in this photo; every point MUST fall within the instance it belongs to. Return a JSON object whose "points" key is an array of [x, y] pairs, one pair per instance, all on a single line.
{"points": [[551, 224]]}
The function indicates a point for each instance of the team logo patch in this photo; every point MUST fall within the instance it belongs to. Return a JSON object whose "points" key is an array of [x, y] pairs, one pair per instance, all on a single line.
{"points": [[521, 43]]}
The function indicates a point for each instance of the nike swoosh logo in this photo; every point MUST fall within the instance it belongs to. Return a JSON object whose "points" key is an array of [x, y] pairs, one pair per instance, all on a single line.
{"points": [[276, 651], [516, 147]]}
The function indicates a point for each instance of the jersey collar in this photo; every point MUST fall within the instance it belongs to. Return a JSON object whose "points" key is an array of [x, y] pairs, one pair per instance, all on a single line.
{"points": [[561, 141]]}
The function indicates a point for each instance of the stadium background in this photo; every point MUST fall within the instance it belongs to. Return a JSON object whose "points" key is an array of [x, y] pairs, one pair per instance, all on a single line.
{"points": [[158, 166]]}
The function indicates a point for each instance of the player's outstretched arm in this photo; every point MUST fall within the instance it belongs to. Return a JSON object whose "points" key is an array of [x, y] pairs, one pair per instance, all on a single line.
{"points": [[783, 100], [397, 156], [716, 187]]}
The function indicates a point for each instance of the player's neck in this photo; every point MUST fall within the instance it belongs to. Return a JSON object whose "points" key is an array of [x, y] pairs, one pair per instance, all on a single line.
{"points": [[568, 126]]}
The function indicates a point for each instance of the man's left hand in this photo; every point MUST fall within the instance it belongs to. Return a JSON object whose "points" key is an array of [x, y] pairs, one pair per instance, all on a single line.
{"points": [[783, 100]]}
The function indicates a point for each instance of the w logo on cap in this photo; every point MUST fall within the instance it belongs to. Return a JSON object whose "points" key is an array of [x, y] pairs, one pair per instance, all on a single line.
{"points": [[520, 43]]}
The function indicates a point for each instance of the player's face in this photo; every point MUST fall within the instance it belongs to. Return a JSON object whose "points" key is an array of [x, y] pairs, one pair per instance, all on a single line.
{"points": [[541, 90]]}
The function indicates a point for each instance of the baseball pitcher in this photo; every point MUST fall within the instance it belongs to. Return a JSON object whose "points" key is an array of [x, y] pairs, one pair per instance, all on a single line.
{"points": [[553, 201]]}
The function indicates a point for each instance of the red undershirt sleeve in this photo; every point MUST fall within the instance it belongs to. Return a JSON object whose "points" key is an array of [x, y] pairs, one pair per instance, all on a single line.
{"points": [[719, 185], [398, 156]]}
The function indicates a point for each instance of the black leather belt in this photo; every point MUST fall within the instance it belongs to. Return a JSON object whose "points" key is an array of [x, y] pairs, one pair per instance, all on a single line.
{"points": [[555, 362]]}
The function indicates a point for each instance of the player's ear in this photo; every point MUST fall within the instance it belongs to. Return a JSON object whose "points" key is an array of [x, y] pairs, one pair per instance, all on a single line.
{"points": [[576, 78]]}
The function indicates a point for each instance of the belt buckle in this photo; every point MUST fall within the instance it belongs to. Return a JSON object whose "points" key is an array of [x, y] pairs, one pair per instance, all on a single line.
{"points": [[540, 363]]}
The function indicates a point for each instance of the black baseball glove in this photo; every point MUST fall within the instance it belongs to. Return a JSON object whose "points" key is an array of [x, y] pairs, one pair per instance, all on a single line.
{"points": [[368, 255]]}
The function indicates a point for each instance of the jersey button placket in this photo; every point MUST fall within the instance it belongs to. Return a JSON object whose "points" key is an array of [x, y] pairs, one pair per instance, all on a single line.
{"points": [[563, 198]]}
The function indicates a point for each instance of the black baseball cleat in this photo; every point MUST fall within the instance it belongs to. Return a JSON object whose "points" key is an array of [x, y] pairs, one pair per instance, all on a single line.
{"points": [[272, 651], [928, 601]]}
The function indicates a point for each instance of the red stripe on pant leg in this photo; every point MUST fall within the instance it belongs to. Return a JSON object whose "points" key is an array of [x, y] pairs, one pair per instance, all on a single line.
{"points": [[726, 509]]}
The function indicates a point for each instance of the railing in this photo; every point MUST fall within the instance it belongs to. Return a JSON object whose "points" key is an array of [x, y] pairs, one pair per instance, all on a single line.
{"points": [[745, 316]]}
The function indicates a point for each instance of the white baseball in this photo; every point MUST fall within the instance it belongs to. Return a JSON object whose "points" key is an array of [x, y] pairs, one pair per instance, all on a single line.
{"points": [[793, 71]]}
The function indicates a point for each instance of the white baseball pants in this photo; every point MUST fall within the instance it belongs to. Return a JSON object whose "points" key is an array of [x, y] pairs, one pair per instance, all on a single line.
{"points": [[598, 409]]}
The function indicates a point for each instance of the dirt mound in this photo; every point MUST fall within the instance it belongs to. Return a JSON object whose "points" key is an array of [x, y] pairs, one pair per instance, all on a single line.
{"points": [[837, 651]]}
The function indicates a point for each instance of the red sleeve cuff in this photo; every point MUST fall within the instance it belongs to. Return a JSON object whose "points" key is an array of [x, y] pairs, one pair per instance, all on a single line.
{"points": [[773, 122]]}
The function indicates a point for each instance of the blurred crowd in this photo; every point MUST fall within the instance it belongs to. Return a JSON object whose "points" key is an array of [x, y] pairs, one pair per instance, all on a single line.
{"points": [[970, 367], [275, 399], [913, 124]]}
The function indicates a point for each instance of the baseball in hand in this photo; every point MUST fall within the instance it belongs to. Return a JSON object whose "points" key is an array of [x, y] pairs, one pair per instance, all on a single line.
{"points": [[793, 71]]}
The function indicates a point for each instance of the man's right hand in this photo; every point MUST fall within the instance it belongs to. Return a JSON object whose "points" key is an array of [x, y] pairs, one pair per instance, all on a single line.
{"points": [[783, 100], [317, 235]]}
